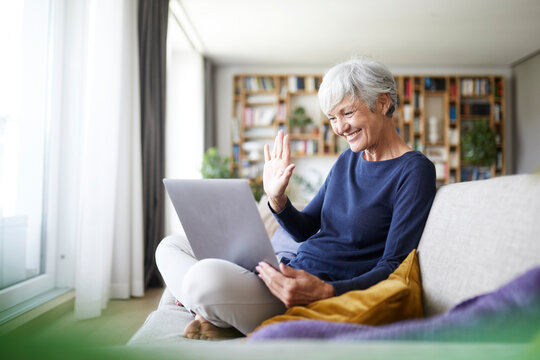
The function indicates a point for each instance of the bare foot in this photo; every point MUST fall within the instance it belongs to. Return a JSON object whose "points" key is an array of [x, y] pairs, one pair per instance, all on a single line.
{"points": [[202, 329]]}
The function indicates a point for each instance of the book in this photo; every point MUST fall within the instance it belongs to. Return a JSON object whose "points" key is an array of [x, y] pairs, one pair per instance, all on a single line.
{"points": [[417, 100], [407, 113], [248, 116], [434, 84], [477, 86], [283, 90], [317, 83], [497, 113], [310, 84], [300, 83], [293, 84], [282, 112], [453, 113], [236, 153], [407, 87], [453, 89]]}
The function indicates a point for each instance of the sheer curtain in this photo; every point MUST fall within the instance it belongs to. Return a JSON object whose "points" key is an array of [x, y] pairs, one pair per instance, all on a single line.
{"points": [[105, 171]]}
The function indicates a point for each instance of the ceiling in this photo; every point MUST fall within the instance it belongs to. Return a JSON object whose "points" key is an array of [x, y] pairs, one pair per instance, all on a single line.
{"points": [[398, 32]]}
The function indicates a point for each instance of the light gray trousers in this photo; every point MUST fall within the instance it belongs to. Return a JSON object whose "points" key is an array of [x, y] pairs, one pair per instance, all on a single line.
{"points": [[220, 291]]}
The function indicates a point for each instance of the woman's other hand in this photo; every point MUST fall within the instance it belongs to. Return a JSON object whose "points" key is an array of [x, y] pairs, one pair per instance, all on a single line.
{"points": [[294, 287], [277, 171]]}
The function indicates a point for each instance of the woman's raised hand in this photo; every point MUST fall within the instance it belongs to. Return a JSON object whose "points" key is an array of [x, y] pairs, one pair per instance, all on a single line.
{"points": [[277, 171]]}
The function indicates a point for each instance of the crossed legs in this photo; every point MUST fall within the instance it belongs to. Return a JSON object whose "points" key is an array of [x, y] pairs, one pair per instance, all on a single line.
{"points": [[227, 299]]}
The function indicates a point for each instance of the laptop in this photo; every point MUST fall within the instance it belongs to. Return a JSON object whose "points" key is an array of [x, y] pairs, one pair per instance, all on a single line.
{"points": [[221, 220]]}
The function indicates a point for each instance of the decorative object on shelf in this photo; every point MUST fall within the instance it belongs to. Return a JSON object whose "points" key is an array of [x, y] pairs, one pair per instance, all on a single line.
{"points": [[254, 150], [299, 120], [214, 166], [433, 129], [478, 144]]}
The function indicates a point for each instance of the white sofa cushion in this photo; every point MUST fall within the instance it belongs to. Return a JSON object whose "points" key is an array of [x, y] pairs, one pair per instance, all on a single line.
{"points": [[478, 236]]}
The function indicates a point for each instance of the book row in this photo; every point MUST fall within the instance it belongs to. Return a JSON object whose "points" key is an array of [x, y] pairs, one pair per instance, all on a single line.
{"points": [[259, 116], [257, 83], [303, 83], [478, 87], [304, 147]]}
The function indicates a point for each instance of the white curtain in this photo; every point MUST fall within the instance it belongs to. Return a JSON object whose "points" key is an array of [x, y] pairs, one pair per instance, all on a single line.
{"points": [[108, 212]]}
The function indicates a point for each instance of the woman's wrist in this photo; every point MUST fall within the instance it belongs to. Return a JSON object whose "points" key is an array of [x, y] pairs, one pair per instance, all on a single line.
{"points": [[328, 290], [278, 203]]}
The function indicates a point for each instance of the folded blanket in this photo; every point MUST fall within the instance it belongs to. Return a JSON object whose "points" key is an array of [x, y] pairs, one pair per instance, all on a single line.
{"points": [[396, 298]]}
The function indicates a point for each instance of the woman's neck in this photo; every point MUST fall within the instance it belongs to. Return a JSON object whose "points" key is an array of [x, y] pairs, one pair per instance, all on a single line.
{"points": [[389, 146]]}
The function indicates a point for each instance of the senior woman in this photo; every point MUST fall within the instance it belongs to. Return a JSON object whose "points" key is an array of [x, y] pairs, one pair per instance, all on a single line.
{"points": [[366, 218]]}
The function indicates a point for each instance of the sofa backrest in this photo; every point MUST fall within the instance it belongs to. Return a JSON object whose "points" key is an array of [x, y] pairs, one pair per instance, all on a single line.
{"points": [[478, 236]]}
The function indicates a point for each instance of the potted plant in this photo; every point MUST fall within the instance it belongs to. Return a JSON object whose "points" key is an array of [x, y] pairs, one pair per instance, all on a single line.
{"points": [[257, 188], [214, 166], [299, 120], [479, 147]]}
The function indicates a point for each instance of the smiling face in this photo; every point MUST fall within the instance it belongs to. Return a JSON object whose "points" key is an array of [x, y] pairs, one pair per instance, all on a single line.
{"points": [[356, 124]]}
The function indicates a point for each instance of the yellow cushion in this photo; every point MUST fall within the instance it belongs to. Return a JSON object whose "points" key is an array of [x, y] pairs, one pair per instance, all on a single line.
{"points": [[397, 298]]}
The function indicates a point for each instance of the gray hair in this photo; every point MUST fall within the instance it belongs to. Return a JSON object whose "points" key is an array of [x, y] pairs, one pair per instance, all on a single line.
{"points": [[359, 79]]}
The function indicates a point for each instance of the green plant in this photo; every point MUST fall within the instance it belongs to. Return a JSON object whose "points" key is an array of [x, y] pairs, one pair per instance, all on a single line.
{"points": [[299, 118], [256, 186], [214, 166], [303, 189], [478, 145]]}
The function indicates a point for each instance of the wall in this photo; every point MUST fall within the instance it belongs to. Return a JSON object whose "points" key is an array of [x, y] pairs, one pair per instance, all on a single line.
{"points": [[527, 116], [312, 168]]}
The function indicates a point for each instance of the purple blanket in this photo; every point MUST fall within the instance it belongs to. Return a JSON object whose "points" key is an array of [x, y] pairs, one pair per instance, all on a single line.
{"points": [[509, 314]]}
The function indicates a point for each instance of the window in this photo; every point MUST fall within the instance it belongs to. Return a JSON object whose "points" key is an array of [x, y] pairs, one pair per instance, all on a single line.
{"points": [[185, 110], [26, 266]]}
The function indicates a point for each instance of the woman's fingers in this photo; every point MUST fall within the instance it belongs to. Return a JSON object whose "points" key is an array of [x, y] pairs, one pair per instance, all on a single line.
{"points": [[276, 140], [281, 147], [286, 149], [266, 152], [288, 171], [271, 277], [279, 150]]}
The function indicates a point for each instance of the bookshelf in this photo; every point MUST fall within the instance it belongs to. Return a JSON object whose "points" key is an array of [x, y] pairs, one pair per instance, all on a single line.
{"points": [[262, 105], [432, 115]]}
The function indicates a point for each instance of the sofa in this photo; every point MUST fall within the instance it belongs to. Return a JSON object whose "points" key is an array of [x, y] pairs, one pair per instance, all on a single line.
{"points": [[479, 236]]}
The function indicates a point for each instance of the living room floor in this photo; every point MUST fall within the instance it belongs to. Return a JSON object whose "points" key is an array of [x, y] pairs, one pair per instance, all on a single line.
{"points": [[119, 321]]}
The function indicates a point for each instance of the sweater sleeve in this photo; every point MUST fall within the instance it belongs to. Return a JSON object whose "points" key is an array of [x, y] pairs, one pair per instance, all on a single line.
{"points": [[414, 196], [302, 224]]}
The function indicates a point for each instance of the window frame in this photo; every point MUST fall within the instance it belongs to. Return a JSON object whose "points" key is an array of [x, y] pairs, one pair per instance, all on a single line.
{"points": [[51, 278]]}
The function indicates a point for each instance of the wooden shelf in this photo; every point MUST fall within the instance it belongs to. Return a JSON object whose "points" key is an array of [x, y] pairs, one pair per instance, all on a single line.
{"points": [[475, 96], [475, 117], [260, 92], [438, 143], [285, 89], [414, 94], [453, 90], [260, 103], [304, 137], [434, 93]]}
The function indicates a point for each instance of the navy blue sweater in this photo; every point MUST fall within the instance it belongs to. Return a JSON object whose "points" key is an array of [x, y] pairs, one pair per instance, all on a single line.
{"points": [[366, 218]]}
